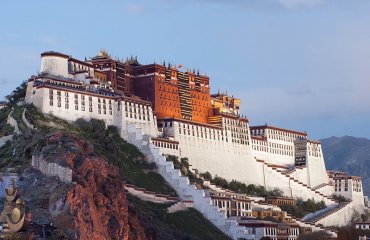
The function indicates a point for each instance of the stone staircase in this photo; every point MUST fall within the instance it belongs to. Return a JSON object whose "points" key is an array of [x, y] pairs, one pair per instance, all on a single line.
{"points": [[200, 197], [294, 183], [320, 186]]}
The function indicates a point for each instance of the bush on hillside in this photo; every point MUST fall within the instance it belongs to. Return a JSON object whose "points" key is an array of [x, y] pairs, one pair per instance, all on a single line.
{"points": [[18, 94], [303, 208], [339, 198], [319, 235], [206, 176], [239, 187]]}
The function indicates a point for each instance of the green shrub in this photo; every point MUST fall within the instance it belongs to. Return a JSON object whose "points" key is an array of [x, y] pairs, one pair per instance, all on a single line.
{"points": [[206, 176], [303, 208]]}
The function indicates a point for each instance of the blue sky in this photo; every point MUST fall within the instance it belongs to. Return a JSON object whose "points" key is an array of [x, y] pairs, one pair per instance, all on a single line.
{"points": [[299, 64]]}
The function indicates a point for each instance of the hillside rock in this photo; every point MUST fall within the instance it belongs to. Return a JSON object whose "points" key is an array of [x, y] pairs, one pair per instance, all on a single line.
{"points": [[349, 154], [93, 206]]}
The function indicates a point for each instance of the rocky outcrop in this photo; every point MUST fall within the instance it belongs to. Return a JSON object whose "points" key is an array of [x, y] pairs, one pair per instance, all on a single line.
{"points": [[93, 205], [98, 202]]}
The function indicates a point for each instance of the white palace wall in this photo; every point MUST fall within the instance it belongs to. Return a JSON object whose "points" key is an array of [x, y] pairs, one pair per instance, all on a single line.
{"points": [[208, 150], [301, 174], [71, 105], [55, 65], [315, 165]]}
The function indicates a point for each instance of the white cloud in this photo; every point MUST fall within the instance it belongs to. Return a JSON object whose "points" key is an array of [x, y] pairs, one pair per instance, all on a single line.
{"points": [[49, 40], [135, 8], [299, 3]]}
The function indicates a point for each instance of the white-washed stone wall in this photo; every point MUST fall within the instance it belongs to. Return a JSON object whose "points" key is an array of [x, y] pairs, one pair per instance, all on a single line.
{"points": [[316, 166], [52, 169], [149, 196], [327, 190], [55, 65], [221, 157], [301, 174], [12, 122], [118, 112], [25, 121]]}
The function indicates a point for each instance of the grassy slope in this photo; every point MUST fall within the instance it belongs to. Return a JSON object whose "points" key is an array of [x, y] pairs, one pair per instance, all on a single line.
{"points": [[180, 225]]}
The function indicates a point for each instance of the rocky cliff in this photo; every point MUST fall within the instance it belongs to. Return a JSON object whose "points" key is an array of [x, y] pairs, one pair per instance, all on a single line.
{"points": [[93, 206]]}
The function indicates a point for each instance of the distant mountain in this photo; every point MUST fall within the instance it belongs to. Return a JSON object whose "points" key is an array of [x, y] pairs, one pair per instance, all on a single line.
{"points": [[349, 154]]}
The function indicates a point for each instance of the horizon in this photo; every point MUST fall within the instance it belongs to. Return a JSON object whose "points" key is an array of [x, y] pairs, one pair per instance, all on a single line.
{"points": [[301, 65]]}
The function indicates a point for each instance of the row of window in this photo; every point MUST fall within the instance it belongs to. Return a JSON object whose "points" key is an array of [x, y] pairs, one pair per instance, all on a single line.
{"points": [[133, 110], [270, 150], [234, 122], [225, 204], [344, 184], [82, 108], [275, 134], [165, 145], [141, 106]]}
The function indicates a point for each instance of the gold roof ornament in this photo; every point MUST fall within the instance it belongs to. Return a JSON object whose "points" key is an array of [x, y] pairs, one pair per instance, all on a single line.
{"points": [[103, 53]]}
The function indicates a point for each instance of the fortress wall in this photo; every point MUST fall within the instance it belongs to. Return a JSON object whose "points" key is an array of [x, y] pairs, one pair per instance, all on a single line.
{"points": [[25, 121], [136, 114], [71, 113], [327, 190], [52, 169], [54, 64], [118, 113], [316, 171], [301, 174], [234, 161], [272, 180], [166, 147], [263, 152], [226, 159], [315, 164], [221, 151]]}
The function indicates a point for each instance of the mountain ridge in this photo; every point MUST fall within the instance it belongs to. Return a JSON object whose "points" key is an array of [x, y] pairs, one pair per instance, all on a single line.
{"points": [[350, 154]]}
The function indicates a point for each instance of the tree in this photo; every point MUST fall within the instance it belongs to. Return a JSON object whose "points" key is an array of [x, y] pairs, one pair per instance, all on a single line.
{"points": [[266, 238], [319, 235], [219, 181]]}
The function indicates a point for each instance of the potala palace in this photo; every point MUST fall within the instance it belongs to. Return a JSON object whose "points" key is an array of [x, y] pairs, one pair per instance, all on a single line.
{"points": [[165, 111]]}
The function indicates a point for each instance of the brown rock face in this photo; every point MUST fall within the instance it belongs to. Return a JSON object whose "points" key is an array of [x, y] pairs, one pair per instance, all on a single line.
{"points": [[97, 202]]}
